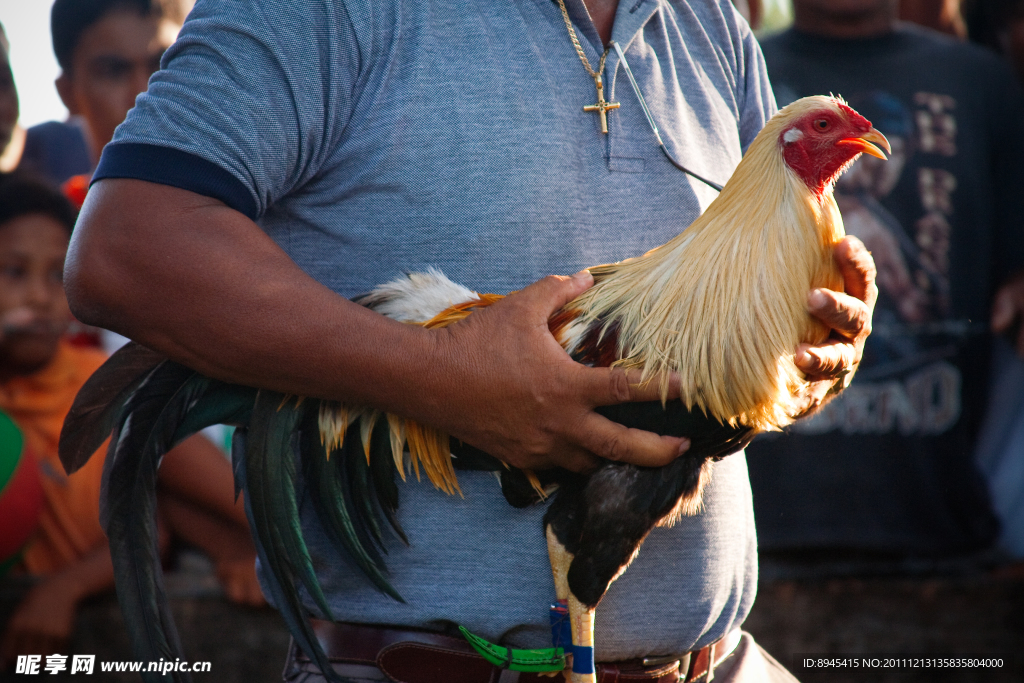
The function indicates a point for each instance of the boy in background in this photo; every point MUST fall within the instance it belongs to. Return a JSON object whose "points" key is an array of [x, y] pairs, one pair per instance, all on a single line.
{"points": [[107, 50], [40, 374]]}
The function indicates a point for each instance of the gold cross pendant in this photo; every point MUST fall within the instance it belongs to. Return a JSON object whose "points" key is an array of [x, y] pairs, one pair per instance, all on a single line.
{"points": [[602, 106]]}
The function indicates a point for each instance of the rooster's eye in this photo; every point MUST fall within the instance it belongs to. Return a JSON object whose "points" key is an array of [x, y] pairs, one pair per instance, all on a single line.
{"points": [[821, 124]]}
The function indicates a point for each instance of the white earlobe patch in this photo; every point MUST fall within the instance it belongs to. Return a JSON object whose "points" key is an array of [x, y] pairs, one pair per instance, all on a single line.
{"points": [[792, 135]]}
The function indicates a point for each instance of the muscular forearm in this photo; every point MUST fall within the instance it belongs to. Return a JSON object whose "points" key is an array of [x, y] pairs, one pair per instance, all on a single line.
{"points": [[189, 277]]}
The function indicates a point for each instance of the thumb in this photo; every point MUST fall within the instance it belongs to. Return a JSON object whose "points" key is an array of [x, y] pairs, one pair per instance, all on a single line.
{"points": [[555, 291]]}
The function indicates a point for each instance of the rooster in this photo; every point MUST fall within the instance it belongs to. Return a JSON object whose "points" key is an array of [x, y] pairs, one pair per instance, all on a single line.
{"points": [[721, 306]]}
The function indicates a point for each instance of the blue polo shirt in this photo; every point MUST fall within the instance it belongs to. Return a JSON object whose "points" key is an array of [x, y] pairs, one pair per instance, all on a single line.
{"points": [[373, 137]]}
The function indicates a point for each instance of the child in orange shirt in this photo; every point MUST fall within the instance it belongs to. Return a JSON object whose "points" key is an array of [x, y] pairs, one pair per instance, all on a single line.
{"points": [[40, 374]]}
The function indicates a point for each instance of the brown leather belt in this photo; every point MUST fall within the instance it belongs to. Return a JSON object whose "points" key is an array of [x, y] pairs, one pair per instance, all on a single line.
{"points": [[409, 656]]}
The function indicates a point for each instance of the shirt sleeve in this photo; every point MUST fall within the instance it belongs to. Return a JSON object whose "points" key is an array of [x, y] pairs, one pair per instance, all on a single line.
{"points": [[248, 103]]}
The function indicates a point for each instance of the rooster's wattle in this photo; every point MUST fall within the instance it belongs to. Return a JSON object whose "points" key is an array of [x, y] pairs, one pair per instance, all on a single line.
{"points": [[723, 305]]}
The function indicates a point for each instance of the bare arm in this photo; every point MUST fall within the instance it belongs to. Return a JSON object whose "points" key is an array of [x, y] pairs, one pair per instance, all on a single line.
{"points": [[200, 282]]}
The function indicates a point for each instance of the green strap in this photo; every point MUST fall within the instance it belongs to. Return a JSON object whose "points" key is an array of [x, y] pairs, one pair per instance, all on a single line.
{"points": [[551, 659]]}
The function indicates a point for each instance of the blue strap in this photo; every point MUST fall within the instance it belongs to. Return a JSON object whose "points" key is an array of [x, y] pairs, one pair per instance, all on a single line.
{"points": [[582, 659]]}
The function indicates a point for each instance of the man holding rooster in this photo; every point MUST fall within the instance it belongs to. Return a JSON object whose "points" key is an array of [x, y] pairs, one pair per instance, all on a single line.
{"points": [[291, 154]]}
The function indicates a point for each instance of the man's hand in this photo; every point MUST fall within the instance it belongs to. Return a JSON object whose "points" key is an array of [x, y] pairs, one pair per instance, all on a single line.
{"points": [[520, 397], [848, 315], [1008, 312]]}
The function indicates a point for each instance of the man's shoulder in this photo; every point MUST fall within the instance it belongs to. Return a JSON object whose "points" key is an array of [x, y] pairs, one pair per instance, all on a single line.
{"points": [[790, 44]]}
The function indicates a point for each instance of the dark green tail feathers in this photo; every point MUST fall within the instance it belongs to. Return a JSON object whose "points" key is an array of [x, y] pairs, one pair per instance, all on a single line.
{"points": [[148, 404]]}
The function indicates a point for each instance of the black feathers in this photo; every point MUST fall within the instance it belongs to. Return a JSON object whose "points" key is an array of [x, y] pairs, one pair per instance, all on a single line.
{"points": [[149, 404], [709, 438], [603, 518], [270, 479], [98, 405], [128, 507], [341, 496]]}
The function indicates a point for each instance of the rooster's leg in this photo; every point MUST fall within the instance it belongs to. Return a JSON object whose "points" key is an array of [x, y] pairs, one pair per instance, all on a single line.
{"points": [[560, 561], [581, 617]]}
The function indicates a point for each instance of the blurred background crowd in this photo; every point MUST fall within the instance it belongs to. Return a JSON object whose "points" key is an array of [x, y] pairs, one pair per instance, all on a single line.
{"points": [[917, 470]]}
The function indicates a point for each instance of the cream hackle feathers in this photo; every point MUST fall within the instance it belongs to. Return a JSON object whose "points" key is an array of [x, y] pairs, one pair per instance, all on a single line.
{"points": [[724, 303]]}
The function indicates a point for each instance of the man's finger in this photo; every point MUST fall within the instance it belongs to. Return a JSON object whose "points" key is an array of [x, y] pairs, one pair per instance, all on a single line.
{"points": [[554, 291], [858, 270], [610, 386], [813, 396], [843, 313], [568, 456], [1008, 312], [831, 359], [612, 441]]}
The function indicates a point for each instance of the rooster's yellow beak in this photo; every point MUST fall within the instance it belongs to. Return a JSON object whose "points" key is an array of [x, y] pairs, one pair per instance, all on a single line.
{"points": [[864, 143]]}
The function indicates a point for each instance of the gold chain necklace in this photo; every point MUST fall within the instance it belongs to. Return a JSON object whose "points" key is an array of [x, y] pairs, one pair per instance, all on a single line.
{"points": [[602, 106]]}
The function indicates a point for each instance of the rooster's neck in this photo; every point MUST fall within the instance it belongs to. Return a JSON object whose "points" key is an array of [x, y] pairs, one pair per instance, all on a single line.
{"points": [[723, 303]]}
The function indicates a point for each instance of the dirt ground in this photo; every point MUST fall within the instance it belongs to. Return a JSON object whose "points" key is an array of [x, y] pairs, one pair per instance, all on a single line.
{"points": [[793, 620]]}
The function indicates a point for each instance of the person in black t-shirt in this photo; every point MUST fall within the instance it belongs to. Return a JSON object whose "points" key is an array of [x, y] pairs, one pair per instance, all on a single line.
{"points": [[887, 469]]}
